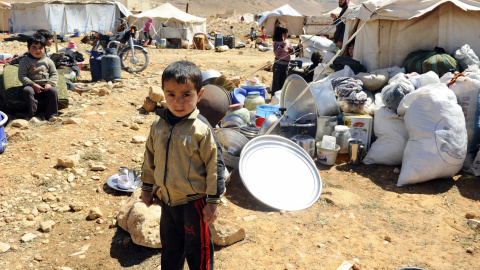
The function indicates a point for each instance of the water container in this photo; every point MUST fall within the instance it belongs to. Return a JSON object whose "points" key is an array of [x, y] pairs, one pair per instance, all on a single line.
{"points": [[96, 65], [76, 33], [238, 95], [256, 88], [218, 39], [3, 138], [229, 41], [111, 66]]}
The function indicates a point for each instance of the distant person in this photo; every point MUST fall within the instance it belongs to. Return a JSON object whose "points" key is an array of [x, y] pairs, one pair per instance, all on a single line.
{"points": [[39, 77], [231, 32], [252, 33], [340, 28], [184, 158], [146, 30], [282, 48], [263, 33], [242, 19], [351, 48]]}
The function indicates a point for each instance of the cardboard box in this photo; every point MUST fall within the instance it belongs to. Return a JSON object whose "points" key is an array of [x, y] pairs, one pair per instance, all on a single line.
{"points": [[361, 127]]}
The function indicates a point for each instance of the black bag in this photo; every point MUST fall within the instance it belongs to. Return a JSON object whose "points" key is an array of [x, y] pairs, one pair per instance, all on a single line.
{"points": [[340, 62]]}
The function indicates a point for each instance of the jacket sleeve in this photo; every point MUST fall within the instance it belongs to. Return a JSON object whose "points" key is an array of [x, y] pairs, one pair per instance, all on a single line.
{"points": [[148, 166], [53, 74], [211, 152], [23, 73]]}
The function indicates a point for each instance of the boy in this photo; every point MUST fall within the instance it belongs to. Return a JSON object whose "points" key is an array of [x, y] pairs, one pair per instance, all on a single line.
{"points": [[184, 158], [252, 34], [47, 35], [39, 77]]}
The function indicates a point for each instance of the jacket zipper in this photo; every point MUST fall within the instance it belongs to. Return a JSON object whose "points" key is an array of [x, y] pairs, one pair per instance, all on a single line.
{"points": [[166, 165]]}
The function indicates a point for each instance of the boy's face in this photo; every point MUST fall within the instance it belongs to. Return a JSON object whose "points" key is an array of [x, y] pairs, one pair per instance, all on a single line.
{"points": [[48, 42], [181, 98], [36, 50]]}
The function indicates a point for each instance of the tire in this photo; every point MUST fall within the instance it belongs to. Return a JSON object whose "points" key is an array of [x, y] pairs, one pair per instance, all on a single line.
{"points": [[129, 64]]}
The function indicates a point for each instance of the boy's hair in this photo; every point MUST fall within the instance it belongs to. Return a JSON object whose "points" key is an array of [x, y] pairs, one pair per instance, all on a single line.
{"points": [[35, 39], [279, 31], [44, 33], [183, 71]]}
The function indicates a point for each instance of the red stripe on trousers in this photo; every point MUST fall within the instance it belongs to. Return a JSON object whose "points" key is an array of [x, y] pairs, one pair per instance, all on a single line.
{"points": [[198, 206]]}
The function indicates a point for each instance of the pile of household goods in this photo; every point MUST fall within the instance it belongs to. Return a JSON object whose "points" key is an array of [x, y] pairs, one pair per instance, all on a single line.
{"points": [[422, 116]]}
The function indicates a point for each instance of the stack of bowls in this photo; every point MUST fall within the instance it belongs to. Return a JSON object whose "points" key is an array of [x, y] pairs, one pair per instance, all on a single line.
{"points": [[249, 131]]}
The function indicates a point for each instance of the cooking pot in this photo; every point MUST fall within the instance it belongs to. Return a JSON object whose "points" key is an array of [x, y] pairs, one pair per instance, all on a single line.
{"points": [[305, 141]]}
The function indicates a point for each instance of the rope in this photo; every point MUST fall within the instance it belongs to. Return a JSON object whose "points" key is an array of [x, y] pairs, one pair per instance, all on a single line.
{"points": [[309, 84]]}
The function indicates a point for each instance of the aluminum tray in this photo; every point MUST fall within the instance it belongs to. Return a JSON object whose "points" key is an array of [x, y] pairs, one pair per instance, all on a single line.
{"points": [[279, 173]]}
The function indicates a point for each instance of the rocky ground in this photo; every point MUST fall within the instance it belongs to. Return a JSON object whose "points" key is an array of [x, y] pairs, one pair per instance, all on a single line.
{"points": [[64, 216]]}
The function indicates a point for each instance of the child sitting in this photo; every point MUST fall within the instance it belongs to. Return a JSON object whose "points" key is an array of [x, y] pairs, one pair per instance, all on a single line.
{"points": [[39, 77], [184, 158]]}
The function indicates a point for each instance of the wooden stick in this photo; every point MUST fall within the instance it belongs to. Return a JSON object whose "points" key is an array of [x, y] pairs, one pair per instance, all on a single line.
{"points": [[55, 38]]}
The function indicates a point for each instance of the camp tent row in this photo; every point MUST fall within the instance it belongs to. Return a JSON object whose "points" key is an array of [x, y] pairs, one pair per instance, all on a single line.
{"points": [[402, 26], [65, 17]]}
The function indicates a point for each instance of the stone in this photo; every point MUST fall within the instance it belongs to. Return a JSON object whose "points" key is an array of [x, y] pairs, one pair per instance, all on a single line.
{"points": [[225, 233], [17, 135], [474, 224], [43, 208], [38, 258], [139, 139], [250, 218], [20, 123], [341, 198], [98, 167], [76, 206], [103, 92], [69, 161], [135, 126], [396, 171], [470, 215], [63, 209], [155, 93], [73, 120], [28, 237], [4, 247], [163, 104], [47, 226], [149, 105], [95, 213], [49, 197]]}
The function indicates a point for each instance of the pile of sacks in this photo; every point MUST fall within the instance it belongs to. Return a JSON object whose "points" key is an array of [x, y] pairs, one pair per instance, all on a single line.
{"points": [[156, 98]]}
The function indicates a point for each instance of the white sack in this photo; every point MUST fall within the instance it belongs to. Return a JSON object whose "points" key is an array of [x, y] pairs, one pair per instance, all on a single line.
{"points": [[345, 72], [467, 91], [466, 56], [429, 78], [374, 80], [392, 71], [391, 140], [317, 42], [393, 93], [327, 56], [437, 137]]}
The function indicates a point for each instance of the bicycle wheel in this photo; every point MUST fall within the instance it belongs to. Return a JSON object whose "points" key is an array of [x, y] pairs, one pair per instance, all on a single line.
{"points": [[134, 63]]}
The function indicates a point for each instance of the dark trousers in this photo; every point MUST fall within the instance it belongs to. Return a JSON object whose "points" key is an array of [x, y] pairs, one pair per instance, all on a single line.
{"points": [[184, 235], [48, 98], [279, 76], [148, 37]]}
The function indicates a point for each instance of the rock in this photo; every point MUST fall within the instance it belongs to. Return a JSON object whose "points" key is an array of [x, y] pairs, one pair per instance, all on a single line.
{"points": [[63, 209], [149, 105], [139, 139], [341, 198], [76, 206], [47, 226], [43, 208], [17, 135], [103, 92], [125, 209], [135, 126], [28, 237], [69, 161], [98, 167], [250, 218], [72, 120], [38, 258], [225, 233], [396, 171], [474, 224], [20, 123], [155, 93], [4, 247], [163, 104], [49, 197], [95, 213], [470, 215]]}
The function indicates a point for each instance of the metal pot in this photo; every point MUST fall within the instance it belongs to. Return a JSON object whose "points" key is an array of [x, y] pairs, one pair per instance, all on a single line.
{"points": [[305, 141]]}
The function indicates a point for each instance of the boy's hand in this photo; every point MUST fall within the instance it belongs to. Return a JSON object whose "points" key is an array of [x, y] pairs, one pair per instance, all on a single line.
{"points": [[47, 87], [210, 212], [147, 198], [37, 88]]}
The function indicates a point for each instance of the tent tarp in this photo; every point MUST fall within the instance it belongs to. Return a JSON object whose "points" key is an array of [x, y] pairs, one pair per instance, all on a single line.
{"points": [[172, 17], [286, 14], [5, 9], [64, 17], [400, 27]]}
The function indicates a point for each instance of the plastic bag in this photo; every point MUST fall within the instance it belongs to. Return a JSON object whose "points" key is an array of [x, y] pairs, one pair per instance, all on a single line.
{"points": [[320, 43], [393, 93], [345, 72], [466, 57], [429, 78], [437, 136], [374, 80], [392, 137]]}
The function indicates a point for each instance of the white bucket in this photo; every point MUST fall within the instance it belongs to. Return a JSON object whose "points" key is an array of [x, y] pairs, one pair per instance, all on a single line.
{"points": [[326, 156]]}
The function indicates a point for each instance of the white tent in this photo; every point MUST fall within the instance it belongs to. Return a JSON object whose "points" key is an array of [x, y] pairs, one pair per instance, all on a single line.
{"points": [[173, 18], [4, 15], [402, 26], [286, 14], [66, 16]]}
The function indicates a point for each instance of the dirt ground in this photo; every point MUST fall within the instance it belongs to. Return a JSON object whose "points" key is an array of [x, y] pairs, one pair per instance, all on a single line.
{"points": [[367, 219]]}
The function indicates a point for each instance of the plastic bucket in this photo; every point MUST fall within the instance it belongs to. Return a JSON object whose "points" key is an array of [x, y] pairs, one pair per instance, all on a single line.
{"points": [[326, 156], [3, 138], [161, 43], [266, 110], [257, 88], [238, 95], [76, 33]]}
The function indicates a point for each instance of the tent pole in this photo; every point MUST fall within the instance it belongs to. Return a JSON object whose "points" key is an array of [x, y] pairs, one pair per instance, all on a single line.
{"points": [[55, 38]]}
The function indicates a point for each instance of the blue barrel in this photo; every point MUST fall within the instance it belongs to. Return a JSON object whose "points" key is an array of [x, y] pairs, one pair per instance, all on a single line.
{"points": [[111, 66], [218, 39], [96, 66]]}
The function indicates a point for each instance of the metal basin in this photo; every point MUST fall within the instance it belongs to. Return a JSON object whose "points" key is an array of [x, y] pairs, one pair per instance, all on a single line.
{"points": [[232, 143], [292, 88]]}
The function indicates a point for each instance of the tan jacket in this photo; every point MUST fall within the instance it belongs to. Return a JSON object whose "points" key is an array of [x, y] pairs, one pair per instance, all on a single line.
{"points": [[185, 160]]}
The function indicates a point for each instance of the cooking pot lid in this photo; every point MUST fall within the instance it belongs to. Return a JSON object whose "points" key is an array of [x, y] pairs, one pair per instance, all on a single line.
{"points": [[290, 183]]}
